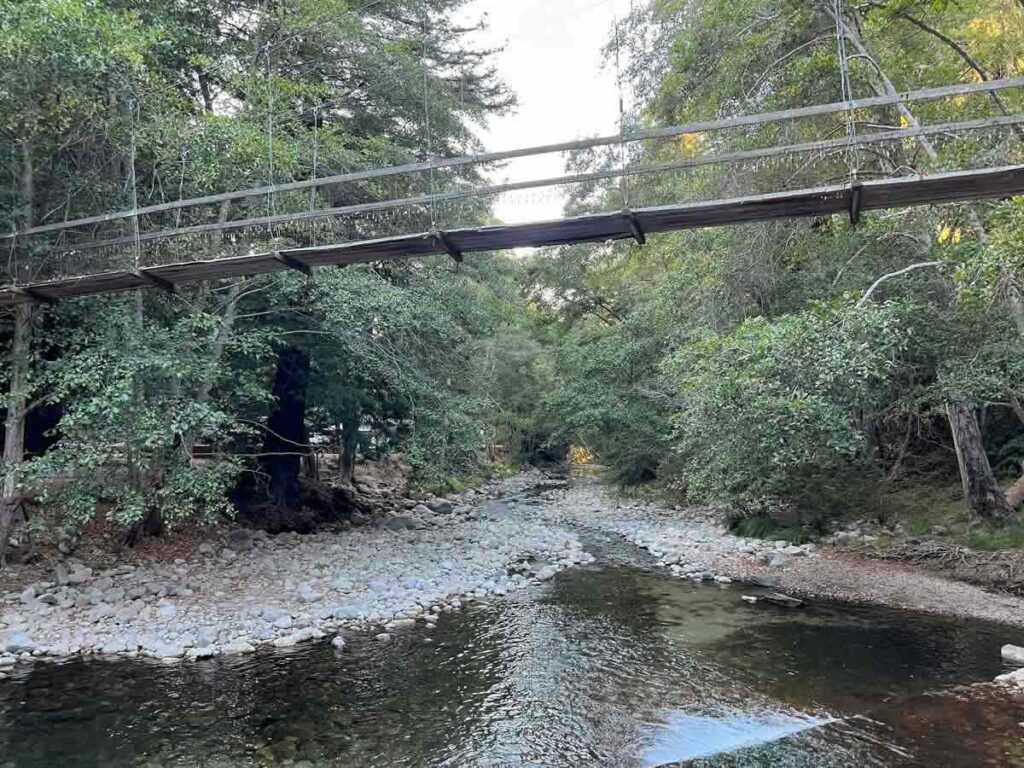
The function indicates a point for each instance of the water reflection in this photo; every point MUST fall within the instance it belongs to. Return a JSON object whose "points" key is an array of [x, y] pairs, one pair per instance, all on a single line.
{"points": [[605, 667]]}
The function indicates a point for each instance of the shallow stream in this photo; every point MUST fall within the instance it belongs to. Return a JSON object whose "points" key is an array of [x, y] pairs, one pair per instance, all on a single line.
{"points": [[611, 665]]}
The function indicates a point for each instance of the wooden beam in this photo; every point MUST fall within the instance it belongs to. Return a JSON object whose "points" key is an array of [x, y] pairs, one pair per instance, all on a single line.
{"points": [[32, 294], [292, 263], [446, 244], [836, 199], [635, 228], [156, 281]]}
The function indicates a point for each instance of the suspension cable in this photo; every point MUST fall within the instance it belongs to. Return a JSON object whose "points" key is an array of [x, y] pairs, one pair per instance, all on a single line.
{"points": [[316, 161], [623, 156], [426, 118], [271, 197], [181, 185], [852, 149], [133, 183]]}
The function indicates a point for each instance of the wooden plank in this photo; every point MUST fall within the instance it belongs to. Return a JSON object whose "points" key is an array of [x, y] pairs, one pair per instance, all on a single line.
{"points": [[742, 121], [600, 227]]}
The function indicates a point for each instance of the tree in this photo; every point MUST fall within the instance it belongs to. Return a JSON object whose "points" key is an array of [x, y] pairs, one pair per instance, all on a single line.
{"points": [[716, 307]]}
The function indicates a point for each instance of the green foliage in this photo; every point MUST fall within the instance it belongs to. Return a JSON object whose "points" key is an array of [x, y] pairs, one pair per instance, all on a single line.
{"points": [[766, 528], [739, 363], [130, 415], [770, 401], [1005, 538], [410, 353]]}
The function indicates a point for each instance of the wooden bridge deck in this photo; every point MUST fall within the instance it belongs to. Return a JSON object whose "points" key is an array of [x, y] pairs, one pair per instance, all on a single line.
{"points": [[822, 201]]}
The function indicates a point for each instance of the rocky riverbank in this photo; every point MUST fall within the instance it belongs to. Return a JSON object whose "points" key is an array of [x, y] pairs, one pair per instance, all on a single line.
{"points": [[258, 590], [694, 543], [418, 559]]}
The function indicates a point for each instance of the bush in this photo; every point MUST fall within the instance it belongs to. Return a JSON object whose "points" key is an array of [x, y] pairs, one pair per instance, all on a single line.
{"points": [[774, 407]]}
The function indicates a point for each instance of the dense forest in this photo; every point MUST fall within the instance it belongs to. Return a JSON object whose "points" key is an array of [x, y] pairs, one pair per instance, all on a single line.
{"points": [[776, 366]]}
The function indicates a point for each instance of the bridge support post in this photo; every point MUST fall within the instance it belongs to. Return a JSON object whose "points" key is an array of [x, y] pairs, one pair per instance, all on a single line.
{"points": [[634, 227], [856, 198], [444, 242]]}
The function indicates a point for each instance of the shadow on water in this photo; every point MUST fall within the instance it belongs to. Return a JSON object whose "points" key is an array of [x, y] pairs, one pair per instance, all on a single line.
{"points": [[609, 666]]}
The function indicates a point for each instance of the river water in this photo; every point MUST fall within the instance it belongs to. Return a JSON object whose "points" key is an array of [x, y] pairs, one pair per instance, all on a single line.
{"points": [[611, 665]]}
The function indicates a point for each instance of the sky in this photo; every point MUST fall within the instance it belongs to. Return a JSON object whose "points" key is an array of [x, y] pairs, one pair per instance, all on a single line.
{"points": [[552, 61]]}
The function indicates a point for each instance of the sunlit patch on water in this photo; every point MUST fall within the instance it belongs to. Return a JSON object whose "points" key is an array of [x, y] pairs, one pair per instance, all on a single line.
{"points": [[685, 736]]}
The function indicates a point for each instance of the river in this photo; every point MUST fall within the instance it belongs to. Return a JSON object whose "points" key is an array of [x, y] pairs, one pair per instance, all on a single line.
{"points": [[609, 665]]}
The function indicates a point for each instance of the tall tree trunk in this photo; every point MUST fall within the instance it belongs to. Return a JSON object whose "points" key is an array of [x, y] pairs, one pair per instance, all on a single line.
{"points": [[14, 426], [981, 489], [21, 347], [286, 440]]}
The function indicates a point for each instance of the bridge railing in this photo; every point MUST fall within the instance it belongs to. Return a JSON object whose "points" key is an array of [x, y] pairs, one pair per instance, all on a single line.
{"points": [[806, 147]]}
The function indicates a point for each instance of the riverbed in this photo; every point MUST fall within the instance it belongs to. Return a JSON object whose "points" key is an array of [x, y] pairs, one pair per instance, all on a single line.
{"points": [[616, 663]]}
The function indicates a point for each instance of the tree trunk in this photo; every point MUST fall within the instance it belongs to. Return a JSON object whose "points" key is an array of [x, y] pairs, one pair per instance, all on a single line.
{"points": [[21, 347], [349, 449], [981, 489], [1015, 496], [17, 412], [286, 441]]}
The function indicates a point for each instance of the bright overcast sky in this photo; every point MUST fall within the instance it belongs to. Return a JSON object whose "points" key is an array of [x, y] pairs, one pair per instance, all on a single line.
{"points": [[552, 60]]}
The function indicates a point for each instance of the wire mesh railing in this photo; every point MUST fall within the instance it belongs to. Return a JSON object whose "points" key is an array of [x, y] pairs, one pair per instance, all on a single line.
{"points": [[768, 152]]}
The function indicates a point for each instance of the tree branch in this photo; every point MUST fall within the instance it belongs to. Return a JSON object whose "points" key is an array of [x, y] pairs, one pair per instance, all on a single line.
{"points": [[921, 265], [957, 47]]}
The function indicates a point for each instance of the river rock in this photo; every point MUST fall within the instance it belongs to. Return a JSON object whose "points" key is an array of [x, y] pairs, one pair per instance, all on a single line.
{"points": [[338, 642], [238, 648], [495, 510], [1013, 654], [1014, 679], [241, 540], [307, 594], [546, 573], [19, 642], [400, 523], [383, 637], [441, 506], [79, 576], [400, 624]]}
